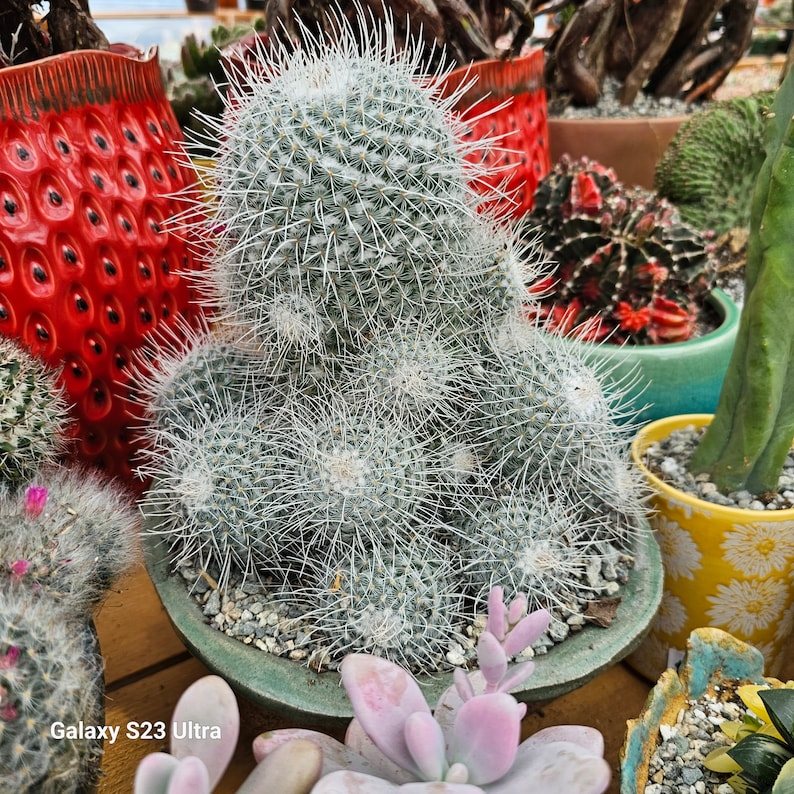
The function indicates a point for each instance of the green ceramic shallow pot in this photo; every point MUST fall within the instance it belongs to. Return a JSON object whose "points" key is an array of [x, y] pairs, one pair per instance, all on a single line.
{"points": [[306, 697], [671, 379], [712, 657]]}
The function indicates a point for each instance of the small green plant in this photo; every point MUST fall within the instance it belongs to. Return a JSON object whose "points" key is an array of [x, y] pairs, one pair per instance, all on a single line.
{"points": [[628, 268], [194, 86], [711, 185], [762, 759]]}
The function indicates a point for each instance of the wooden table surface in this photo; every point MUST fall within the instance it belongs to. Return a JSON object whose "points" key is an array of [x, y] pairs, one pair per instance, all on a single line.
{"points": [[147, 668]]}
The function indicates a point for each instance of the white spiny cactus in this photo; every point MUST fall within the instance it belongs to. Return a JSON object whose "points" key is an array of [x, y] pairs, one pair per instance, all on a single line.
{"points": [[422, 431]]}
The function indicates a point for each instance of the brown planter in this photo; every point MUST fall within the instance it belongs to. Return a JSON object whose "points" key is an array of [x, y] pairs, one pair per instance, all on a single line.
{"points": [[632, 147]]}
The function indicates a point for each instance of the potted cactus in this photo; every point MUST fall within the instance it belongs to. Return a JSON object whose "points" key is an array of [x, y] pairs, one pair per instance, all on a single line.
{"points": [[740, 557], [372, 430], [66, 534], [629, 272], [644, 52]]}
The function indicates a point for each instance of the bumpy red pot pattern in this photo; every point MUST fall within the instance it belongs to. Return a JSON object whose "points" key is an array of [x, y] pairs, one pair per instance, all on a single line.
{"points": [[88, 267]]}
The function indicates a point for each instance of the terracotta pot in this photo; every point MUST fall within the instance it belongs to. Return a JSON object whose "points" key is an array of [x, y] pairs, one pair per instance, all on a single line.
{"points": [[713, 658], [725, 567], [632, 147], [88, 267], [669, 379]]}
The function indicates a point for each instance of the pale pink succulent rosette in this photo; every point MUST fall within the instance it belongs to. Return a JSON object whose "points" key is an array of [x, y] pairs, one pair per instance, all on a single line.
{"points": [[469, 744]]}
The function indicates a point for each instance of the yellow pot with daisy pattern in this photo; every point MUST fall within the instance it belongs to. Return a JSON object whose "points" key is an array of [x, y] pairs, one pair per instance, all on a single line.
{"points": [[726, 567]]}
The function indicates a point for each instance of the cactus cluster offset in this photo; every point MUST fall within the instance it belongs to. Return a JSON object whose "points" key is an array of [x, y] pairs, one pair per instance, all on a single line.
{"points": [[32, 413], [66, 533], [48, 675], [629, 269], [347, 245]]}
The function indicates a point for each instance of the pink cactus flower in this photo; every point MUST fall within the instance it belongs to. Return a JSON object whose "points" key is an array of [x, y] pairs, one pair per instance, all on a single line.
{"points": [[35, 500]]}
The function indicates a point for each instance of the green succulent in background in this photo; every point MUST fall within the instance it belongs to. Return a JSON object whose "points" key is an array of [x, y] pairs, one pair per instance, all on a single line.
{"points": [[710, 166], [194, 86]]}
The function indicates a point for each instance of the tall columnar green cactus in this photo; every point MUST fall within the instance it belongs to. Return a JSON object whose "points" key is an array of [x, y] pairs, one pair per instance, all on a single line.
{"points": [[33, 415], [70, 533], [710, 166], [414, 388], [751, 432], [49, 679]]}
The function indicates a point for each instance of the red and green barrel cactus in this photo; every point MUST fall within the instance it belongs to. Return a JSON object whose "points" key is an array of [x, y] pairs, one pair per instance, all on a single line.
{"points": [[626, 267]]}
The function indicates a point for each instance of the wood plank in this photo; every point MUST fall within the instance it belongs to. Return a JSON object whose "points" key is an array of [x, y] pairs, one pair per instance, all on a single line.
{"points": [[134, 630]]}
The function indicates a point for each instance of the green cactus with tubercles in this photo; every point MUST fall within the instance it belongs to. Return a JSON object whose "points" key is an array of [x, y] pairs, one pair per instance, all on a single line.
{"points": [[49, 673], [534, 546], [349, 244], [33, 414], [399, 601], [344, 181], [750, 435], [710, 166], [217, 493]]}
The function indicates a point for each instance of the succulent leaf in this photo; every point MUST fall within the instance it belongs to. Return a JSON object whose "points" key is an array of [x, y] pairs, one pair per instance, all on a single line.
{"points": [[292, 768], [426, 745], [153, 773], [190, 776], [209, 702], [485, 736], [779, 705], [383, 696]]}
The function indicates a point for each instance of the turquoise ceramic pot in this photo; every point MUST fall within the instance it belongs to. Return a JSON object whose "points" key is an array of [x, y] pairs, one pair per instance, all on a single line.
{"points": [[671, 379], [306, 697], [712, 657]]}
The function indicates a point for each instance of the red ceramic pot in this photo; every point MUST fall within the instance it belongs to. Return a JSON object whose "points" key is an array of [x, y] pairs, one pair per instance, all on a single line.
{"points": [[88, 267]]}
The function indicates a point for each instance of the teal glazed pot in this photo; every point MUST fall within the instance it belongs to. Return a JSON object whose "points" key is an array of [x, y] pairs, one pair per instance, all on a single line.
{"points": [[305, 697], [712, 658], [670, 379]]}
